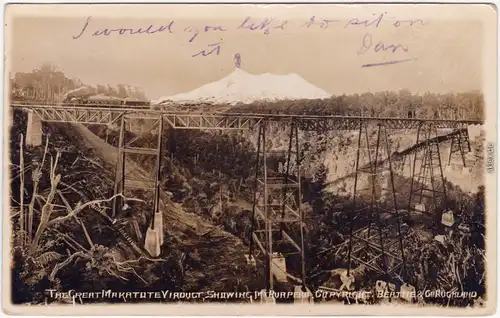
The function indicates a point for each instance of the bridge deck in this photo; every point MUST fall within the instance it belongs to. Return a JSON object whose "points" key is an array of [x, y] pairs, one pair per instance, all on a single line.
{"points": [[108, 114]]}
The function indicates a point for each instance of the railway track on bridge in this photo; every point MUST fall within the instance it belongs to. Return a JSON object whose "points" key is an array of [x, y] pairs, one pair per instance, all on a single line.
{"points": [[109, 114]]}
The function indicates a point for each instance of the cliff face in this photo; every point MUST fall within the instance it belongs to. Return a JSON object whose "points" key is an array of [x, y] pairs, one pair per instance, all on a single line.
{"points": [[183, 228], [337, 151]]}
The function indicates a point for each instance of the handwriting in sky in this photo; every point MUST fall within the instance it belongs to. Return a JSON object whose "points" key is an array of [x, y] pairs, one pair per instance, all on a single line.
{"points": [[367, 45], [215, 48], [193, 30], [265, 25], [323, 23], [151, 29], [410, 22], [207, 28], [375, 22]]}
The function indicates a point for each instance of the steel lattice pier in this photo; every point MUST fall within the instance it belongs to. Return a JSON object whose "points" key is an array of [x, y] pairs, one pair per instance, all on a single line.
{"points": [[277, 209]]}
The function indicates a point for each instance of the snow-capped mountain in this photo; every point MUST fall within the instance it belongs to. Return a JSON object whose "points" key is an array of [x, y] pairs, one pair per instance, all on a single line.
{"points": [[241, 86]]}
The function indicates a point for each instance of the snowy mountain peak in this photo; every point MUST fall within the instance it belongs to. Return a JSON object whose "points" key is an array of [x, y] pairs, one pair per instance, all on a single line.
{"points": [[244, 87]]}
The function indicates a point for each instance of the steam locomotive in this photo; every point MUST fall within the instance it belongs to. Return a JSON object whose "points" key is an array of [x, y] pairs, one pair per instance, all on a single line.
{"points": [[103, 101]]}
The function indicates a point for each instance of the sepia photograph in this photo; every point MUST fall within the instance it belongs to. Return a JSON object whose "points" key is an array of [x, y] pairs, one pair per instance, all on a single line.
{"points": [[249, 158]]}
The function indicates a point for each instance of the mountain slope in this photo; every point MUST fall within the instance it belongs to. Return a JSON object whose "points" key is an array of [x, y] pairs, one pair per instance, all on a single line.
{"points": [[241, 86]]}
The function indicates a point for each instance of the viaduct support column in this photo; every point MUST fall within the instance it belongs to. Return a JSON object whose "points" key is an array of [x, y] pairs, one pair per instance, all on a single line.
{"points": [[34, 130], [139, 147], [379, 245], [277, 233]]}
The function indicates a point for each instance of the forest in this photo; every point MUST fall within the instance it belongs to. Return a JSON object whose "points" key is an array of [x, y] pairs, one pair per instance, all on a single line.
{"points": [[466, 105], [49, 84]]}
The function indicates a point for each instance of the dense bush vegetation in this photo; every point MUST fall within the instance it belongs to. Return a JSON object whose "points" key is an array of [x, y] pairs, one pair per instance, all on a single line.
{"points": [[84, 252], [469, 105]]}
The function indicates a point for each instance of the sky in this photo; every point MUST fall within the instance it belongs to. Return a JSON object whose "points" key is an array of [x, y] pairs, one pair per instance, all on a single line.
{"points": [[436, 49]]}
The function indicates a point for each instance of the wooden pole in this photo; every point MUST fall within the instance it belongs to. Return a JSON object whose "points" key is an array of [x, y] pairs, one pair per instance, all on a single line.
{"points": [[21, 191]]}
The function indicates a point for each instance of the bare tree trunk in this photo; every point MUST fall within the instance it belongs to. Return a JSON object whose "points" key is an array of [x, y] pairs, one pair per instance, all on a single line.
{"points": [[220, 196], [47, 207], [36, 179], [239, 185], [31, 208], [68, 207], [21, 191]]}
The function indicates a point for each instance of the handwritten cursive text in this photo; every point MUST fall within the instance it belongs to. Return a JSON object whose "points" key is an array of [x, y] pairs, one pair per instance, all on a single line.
{"points": [[366, 22], [151, 29], [322, 23], [367, 45], [265, 25], [215, 49]]}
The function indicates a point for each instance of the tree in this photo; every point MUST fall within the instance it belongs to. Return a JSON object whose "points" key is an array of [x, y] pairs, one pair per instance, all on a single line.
{"points": [[44, 84], [367, 104]]}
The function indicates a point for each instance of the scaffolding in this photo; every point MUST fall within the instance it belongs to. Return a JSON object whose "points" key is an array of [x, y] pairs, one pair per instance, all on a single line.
{"points": [[276, 212]]}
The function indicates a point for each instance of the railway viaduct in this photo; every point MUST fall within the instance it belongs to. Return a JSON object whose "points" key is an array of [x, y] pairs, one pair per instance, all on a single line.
{"points": [[276, 211]]}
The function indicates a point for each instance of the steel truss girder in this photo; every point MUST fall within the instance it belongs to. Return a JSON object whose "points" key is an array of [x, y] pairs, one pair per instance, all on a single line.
{"points": [[76, 115], [405, 158], [129, 146], [352, 123], [422, 144], [276, 207], [103, 114], [199, 121]]}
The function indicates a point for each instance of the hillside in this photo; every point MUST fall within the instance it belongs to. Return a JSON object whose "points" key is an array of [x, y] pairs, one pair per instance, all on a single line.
{"points": [[195, 256]]}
